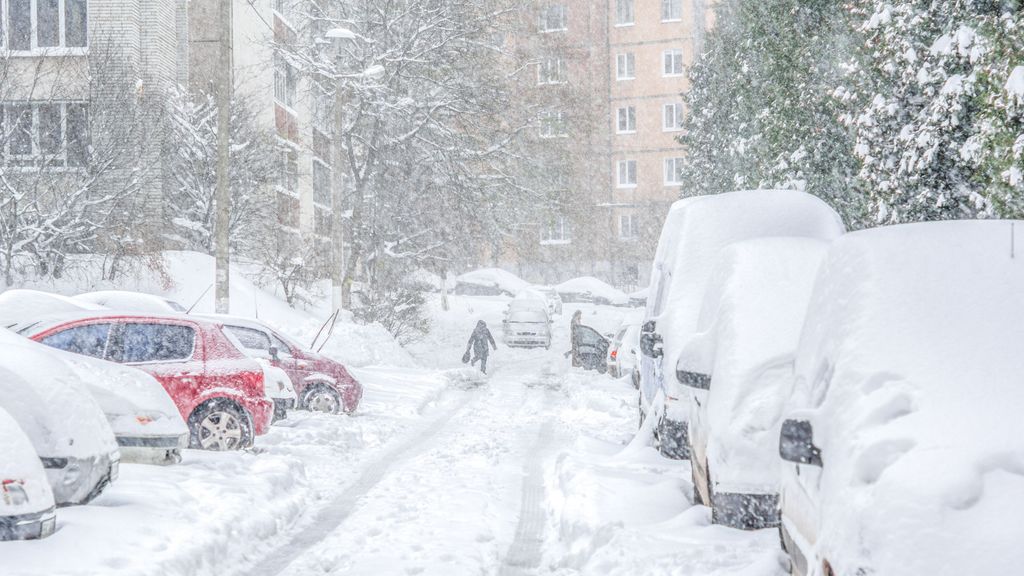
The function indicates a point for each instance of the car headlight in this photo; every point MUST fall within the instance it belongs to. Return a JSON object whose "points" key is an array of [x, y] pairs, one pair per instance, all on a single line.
{"points": [[14, 492], [72, 473]]}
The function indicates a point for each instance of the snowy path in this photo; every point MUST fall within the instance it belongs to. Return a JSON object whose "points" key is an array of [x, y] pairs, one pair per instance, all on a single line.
{"points": [[525, 553]]}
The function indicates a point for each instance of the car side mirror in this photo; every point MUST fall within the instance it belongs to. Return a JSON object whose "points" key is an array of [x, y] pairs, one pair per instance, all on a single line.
{"points": [[694, 379], [651, 345], [274, 354], [796, 443]]}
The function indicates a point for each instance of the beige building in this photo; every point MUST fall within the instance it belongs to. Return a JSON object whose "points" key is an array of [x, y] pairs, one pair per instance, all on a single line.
{"points": [[612, 73]]}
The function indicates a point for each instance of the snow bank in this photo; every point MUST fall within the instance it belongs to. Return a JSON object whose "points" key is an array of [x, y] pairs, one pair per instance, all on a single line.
{"points": [[590, 288], [910, 360]]}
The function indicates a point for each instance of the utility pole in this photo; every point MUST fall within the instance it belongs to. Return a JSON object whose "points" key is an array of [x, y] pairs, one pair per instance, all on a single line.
{"points": [[224, 79], [339, 295]]}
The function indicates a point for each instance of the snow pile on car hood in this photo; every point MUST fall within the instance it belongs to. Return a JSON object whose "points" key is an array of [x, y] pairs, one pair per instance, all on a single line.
{"points": [[502, 279], [594, 287], [749, 331], [20, 464], [912, 356], [20, 305], [701, 228]]}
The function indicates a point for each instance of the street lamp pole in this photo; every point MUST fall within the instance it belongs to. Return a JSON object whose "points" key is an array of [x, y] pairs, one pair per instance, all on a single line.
{"points": [[339, 294]]}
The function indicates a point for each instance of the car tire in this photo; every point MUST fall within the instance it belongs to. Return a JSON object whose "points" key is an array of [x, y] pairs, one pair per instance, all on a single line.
{"points": [[219, 425], [323, 398]]}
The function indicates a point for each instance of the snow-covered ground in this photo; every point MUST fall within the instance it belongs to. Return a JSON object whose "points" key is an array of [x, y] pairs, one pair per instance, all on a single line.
{"points": [[533, 470]]}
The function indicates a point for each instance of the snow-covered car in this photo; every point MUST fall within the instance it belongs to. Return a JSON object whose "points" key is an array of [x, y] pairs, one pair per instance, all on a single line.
{"points": [[624, 353], [27, 509], [902, 438], [638, 299], [127, 301], [545, 293], [489, 282], [144, 420], [527, 324], [278, 387], [695, 231], [737, 367], [321, 383], [66, 426], [589, 289], [217, 389], [20, 304]]}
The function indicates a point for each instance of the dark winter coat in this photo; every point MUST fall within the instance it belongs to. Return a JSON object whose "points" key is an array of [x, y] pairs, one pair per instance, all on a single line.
{"points": [[478, 342]]}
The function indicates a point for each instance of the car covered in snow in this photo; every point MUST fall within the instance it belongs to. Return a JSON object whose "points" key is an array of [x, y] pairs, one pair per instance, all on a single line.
{"points": [[489, 282], [127, 301], [20, 304], [624, 353], [902, 439], [738, 366], [321, 383], [695, 231], [545, 294], [27, 508], [527, 324], [64, 423], [145, 421], [588, 289], [217, 389]]}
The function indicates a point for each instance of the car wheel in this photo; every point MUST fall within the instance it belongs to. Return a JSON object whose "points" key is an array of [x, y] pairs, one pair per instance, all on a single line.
{"points": [[219, 425], [324, 399]]}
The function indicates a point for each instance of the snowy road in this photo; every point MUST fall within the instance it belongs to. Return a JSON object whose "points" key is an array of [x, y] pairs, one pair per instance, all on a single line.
{"points": [[439, 473]]}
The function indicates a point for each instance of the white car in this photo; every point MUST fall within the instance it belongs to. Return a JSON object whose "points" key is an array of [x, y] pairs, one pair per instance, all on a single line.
{"points": [[624, 353], [695, 231], [277, 386], [547, 295], [27, 509], [131, 302], [902, 439], [738, 367], [146, 423], [65, 424], [527, 324], [590, 289]]}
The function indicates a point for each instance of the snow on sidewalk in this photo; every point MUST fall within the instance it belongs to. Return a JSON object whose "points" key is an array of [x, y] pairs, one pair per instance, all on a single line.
{"points": [[620, 508]]}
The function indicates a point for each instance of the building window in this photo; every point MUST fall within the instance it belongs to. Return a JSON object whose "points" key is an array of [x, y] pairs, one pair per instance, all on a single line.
{"points": [[624, 13], [288, 175], [554, 18], [288, 209], [322, 222], [626, 120], [552, 124], [628, 226], [322, 184], [625, 66], [551, 71], [45, 135], [672, 117], [673, 171], [285, 80], [627, 173], [671, 10], [44, 25], [673, 62], [555, 232]]}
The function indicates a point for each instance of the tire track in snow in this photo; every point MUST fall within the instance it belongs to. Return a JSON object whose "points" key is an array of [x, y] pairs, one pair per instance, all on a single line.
{"points": [[337, 511], [525, 553]]}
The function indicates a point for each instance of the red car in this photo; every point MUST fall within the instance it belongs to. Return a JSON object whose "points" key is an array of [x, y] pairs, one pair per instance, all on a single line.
{"points": [[218, 390], [321, 384]]}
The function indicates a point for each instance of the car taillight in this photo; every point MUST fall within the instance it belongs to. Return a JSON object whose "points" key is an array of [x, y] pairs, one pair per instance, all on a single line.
{"points": [[615, 354], [14, 492]]}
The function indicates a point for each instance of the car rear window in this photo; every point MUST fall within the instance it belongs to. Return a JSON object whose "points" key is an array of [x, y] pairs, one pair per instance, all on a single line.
{"points": [[88, 340], [140, 342]]}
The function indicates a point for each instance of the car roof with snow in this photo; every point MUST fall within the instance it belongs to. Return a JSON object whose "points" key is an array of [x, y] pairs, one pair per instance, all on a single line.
{"points": [[133, 301], [911, 362], [593, 286], [20, 304], [494, 277]]}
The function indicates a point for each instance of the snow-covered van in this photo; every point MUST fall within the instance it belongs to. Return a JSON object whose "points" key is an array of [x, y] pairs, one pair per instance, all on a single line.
{"points": [[527, 324], [902, 438], [738, 368], [695, 231], [27, 510], [66, 426]]}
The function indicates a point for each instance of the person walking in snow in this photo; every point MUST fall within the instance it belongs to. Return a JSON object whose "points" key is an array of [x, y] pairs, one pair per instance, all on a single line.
{"points": [[574, 324], [480, 343]]}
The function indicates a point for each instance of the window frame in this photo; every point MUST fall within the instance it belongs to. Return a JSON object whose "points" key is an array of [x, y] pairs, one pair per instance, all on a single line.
{"points": [[629, 217], [677, 4], [564, 235], [111, 326], [553, 124], [675, 162], [545, 69], [627, 167], [121, 326], [625, 66], [677, 113], [62, 49], [545, 18], [627, 114], [630, 10], [37, 159], [668, 56]]}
